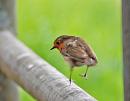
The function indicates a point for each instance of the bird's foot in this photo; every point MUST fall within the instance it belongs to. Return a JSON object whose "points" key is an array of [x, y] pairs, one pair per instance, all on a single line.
{"points": [[70, 81], [84, 76]]}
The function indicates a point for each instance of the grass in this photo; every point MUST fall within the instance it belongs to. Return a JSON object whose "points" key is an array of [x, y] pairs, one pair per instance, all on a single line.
{"points": [[96, 21]]}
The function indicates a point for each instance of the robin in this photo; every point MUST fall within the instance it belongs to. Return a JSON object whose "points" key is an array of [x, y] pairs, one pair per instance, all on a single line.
{"points": [[76, 52]]}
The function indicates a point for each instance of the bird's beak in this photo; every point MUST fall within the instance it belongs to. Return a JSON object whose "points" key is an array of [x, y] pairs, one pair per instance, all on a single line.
{"points": [[53, 48]]}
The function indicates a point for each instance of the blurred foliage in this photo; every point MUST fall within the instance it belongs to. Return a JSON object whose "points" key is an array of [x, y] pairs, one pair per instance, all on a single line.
{"points": [[96, 21]]}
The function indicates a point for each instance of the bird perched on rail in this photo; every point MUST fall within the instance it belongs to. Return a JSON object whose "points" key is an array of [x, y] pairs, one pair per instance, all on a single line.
{"points": [[76, 52]]}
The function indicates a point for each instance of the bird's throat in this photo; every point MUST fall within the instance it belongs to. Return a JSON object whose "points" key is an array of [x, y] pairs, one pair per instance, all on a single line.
{"points": [[61, 46]]}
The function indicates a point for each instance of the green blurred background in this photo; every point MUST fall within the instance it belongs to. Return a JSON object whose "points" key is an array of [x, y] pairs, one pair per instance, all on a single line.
{"points": [[97, 21]]}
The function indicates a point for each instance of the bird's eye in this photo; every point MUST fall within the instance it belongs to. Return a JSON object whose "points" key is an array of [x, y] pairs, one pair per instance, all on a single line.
{"points": [[57, 43]]}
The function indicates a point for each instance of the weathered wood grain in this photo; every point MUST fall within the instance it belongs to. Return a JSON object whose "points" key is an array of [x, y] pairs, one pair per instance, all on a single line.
{"points": [[34, 74]]}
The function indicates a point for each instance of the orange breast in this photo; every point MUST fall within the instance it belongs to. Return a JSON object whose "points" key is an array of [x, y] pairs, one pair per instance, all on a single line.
{"points": [[61, 46]]}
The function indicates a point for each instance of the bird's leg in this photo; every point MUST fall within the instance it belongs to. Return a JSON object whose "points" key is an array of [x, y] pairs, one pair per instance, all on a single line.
{"points": [[71, 70], [85, 74]]}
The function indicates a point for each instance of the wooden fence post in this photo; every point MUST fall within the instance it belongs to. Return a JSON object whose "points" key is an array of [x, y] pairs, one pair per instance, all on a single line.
{"points": [[8, 89], [126, 47]]}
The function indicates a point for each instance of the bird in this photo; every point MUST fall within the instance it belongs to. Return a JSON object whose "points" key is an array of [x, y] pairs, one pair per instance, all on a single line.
{"points": [[76, 52]]}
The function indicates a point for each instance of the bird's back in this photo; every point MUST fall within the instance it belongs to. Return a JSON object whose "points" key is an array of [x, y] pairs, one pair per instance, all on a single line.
{"points": [[87, 49], [78, 52]]}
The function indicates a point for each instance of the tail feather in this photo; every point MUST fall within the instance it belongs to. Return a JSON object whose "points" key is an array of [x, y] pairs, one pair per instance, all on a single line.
{"points": [[91, 62]]}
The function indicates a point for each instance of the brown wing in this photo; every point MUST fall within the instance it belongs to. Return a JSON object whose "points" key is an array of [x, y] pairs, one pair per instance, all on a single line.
{"points": [[87, 48], [73, 50], [76, 52]]}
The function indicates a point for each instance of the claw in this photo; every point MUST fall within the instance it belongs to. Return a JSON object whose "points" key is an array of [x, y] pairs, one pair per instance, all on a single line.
{"points": [[84, 76], [70, 81]]}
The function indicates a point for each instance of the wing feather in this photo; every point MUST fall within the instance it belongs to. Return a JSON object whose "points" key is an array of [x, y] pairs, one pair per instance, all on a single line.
{"points": [[77, 53], [87, 48]]}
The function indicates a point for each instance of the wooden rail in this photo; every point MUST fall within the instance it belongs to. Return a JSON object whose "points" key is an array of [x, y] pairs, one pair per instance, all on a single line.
{"points": [[34, 74]]}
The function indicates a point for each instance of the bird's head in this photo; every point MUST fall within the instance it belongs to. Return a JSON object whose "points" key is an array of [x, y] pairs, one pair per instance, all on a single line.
{"points": [[59, 42]]}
